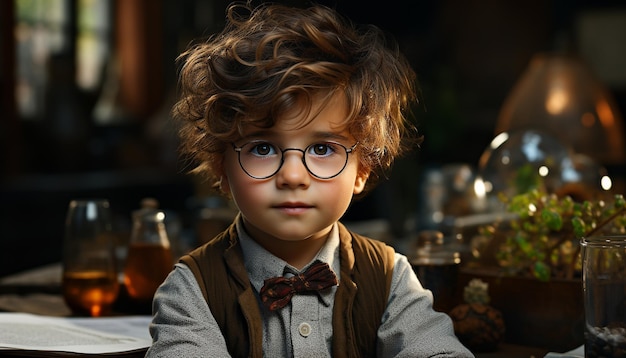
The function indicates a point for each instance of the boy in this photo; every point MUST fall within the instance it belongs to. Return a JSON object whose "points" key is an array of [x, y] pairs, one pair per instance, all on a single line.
{"points": [[292, 112]]}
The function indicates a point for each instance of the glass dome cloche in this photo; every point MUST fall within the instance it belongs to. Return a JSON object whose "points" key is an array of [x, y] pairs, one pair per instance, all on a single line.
{"points": [[517, 161], [560, 95]]}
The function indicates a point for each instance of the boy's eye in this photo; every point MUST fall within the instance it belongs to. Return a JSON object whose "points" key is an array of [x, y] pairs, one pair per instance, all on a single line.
{"points": [[322, 149], [262, 149]]}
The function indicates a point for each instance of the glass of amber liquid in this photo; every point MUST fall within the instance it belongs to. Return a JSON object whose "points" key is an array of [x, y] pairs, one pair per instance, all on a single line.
{"points": [[149, 259], [89, 284]]}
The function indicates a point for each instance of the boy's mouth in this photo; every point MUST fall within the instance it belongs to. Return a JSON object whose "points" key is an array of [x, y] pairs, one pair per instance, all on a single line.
{"points": [[293, 207]]}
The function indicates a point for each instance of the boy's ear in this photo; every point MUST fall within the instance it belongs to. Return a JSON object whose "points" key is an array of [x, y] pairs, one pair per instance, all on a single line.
{"points": [[360, 181], [223, 184]]}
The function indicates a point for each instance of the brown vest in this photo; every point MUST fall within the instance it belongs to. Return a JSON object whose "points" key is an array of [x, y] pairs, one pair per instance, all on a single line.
{"points": [[360, 300]]}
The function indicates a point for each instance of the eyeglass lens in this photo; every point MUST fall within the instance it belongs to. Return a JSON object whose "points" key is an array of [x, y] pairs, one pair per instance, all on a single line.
{"points": [[260, 159]]}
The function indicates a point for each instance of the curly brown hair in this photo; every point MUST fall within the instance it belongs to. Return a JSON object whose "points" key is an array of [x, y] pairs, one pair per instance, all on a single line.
{"points": [[269, 58]]}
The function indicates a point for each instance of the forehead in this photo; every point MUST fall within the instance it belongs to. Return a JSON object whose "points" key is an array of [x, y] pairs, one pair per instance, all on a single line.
{"points": [[324, 115]]}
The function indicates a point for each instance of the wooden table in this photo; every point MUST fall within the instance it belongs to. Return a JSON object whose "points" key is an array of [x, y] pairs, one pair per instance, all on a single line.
{"points": [[513, 351], [35, 291], [38, 291]]}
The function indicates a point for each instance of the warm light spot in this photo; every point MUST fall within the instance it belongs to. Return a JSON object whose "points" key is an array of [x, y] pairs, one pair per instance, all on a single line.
{"points": [[488, 187], [532, 208], [614, 142], [606, 183], [498, 140], [479, 188], [557, 100], [543, 171], [605, 113], [95, 297], [96, 310], [588, 119]]}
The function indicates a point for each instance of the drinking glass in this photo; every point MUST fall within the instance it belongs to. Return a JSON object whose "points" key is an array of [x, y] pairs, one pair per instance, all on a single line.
{"points": [[604, 287], [149, 259], [436, 263], [90, 284]]}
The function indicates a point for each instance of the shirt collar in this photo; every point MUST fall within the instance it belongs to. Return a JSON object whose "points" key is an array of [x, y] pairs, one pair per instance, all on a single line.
{"points": [[261, 264]]}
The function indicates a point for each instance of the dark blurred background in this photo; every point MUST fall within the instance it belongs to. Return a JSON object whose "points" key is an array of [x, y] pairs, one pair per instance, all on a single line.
{"points": [[86, 87]]}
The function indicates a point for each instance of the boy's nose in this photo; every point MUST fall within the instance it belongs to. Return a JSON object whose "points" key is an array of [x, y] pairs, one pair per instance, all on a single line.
{"points": [[293, 172]]}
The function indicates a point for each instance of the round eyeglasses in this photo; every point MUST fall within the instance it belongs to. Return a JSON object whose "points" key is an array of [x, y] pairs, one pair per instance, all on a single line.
{"points": [[262, 159]]}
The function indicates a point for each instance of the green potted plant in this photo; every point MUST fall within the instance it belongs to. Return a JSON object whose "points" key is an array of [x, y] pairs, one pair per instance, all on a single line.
{"points": [[542, 241], [532, 263]]}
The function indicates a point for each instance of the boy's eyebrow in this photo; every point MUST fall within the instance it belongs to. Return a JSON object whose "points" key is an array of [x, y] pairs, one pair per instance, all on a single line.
{"points": [[331, 135]]}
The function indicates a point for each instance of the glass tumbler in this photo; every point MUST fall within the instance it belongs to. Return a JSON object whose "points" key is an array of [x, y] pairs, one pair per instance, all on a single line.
{"points": [[436, 263], [89, 283], [149, 258], [604, 287]]}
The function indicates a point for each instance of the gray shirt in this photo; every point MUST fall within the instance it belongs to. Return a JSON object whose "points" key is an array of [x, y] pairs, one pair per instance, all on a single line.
{"points": [[183, 325]]}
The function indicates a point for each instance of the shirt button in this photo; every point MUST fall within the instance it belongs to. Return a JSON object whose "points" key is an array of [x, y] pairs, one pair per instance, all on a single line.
{"points": [[304, 329]]}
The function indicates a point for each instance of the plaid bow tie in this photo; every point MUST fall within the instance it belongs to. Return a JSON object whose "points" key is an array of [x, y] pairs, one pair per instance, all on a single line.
{"points": [[277, 292]]}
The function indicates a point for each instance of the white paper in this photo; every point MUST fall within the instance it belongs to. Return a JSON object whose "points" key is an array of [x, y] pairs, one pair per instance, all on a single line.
{"points": [[106, 335], [574, 353]]}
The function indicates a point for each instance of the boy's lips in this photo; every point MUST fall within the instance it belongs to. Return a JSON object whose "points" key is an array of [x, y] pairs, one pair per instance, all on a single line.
{"points": [[293, 207]]}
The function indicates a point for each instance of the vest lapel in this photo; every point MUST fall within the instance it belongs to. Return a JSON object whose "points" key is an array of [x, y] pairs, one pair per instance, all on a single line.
{"points": [[344, 344], [233, 257]]}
